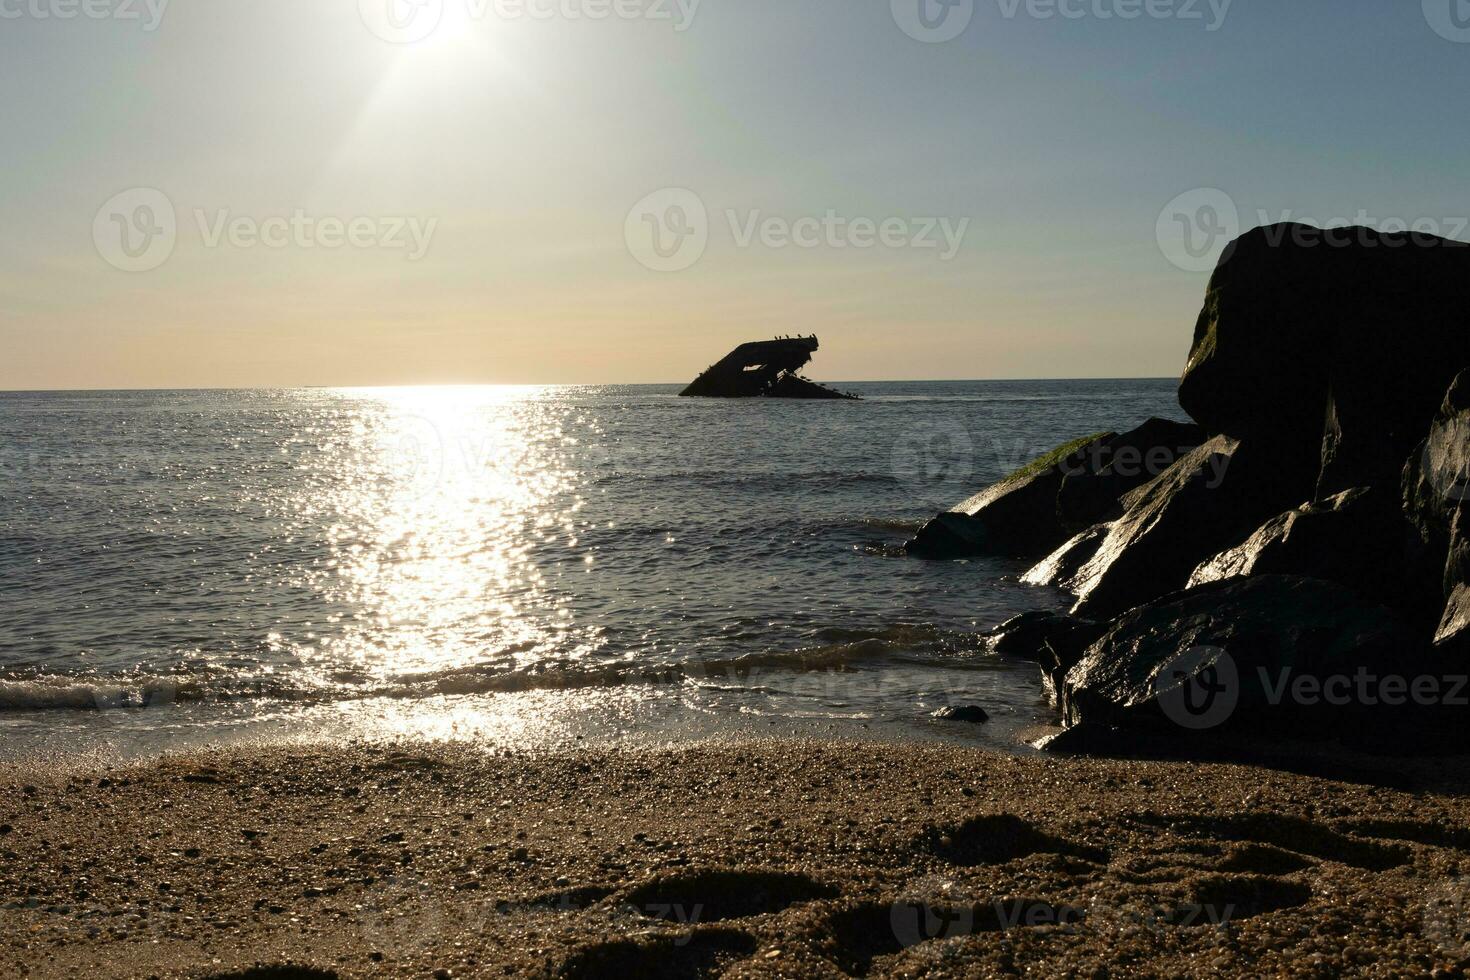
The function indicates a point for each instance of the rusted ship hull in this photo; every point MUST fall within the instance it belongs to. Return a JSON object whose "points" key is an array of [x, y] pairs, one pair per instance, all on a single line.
{"points": [[764, 369]]}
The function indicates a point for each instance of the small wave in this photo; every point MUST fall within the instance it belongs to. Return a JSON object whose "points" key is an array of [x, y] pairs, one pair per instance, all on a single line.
{"points": [[921, 637], [52, 692], [882, 549], [898, 525], [834, 650], [725, 478]]}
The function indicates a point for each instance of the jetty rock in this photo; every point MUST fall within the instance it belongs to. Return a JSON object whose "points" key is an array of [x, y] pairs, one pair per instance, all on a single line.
{"points": [[1312, 520], [1016, 517], [1054, 641], [1060, 568], [1242, 639], [1123, 463], [1436, 489], [1334, 343], [1208, 501], [1355, 538], [1040, 506]]}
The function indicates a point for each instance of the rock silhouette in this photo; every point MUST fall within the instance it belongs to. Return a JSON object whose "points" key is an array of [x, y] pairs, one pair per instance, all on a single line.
{"points": [[1312, 519], [1273, 627], [1038, 507], [1334, 342], [1017, 516], [1354, 538], [1436, 486], [1207, 501], [1123, 463]]}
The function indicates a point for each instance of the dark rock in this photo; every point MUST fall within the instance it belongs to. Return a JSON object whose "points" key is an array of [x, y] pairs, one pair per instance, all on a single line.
{"points": [[1454, 624], [1385, 385], [1233, 639], [1206, 502], [1436, 479], [949, 535], [1355, 538], [1262, 338], [1054, 641], [1090, 494], [1060, 568], [1436, 486], [1015, 517], [1023, 636], [1061, 652], [1295, 315], [972, 713], [1104, 740]]}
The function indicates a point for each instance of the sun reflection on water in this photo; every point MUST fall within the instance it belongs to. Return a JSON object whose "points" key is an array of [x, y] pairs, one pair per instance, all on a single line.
{"points": [[435, 503], [513, 565]]}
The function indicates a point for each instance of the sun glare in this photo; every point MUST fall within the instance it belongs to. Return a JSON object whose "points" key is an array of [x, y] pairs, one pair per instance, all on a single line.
{"points": [[433, 506]]}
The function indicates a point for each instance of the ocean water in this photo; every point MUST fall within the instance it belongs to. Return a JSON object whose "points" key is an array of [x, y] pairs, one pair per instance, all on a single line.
{"points": [[526, 568]]}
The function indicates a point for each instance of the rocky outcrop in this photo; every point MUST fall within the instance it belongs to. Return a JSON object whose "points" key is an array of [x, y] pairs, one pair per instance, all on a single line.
{"points": [[1123, 463], [950, 535], [1024, 635], [1040, 506], [1333, 343], [1206, 502], [1060, 568], [1320, 530], [1355, 538], [1436, 487], [1232, 652], [1015, 517], [1454, 624], [1054, 641]]}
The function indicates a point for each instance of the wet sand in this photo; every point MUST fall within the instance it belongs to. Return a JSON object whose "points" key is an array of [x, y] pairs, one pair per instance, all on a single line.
{"points": [[773, 859]]}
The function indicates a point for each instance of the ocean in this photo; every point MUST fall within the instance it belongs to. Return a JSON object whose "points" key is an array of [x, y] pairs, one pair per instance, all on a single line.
{"points": [[522, 568]]}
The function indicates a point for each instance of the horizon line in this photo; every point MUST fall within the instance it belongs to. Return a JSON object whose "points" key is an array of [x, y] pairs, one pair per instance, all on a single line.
{"points": [[539, 384]]}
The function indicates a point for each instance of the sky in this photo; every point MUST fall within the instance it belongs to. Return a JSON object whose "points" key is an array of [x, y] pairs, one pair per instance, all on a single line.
{"points": [[375, 192]]}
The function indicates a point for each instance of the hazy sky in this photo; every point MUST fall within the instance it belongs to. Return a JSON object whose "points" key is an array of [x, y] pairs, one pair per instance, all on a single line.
{"points": [[304, 202]]}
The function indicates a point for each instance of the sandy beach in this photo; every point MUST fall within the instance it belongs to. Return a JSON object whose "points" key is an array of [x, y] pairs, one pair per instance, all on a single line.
{"points": [[747, 860]]}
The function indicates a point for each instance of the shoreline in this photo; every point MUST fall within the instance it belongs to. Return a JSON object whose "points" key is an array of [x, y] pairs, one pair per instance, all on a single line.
{"points": [[763, 858], [539, 722]]}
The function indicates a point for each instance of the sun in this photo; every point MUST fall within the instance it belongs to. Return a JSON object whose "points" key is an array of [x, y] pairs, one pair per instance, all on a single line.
{"points": [[458, 24], [418, 25]]}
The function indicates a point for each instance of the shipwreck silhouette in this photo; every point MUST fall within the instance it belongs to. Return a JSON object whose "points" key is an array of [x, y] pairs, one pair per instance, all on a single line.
{"points": [[763, 369]]}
